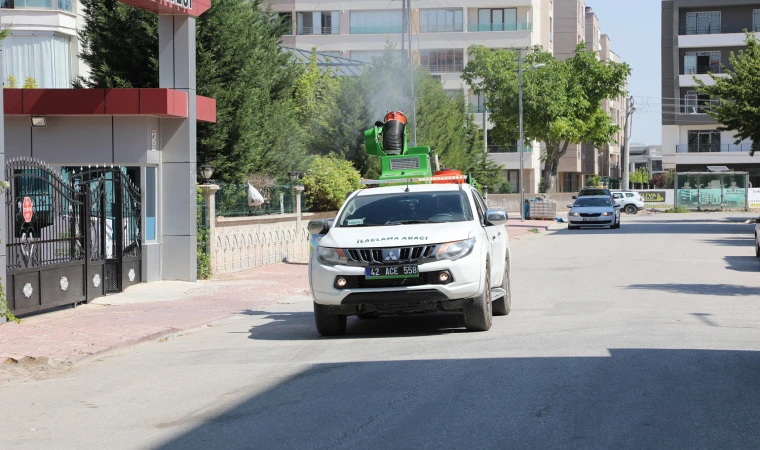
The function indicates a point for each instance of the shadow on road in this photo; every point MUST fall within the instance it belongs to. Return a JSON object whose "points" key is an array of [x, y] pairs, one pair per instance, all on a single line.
{"points": [[742, 263], [739, 241], [299, 326], [668, 227], [632, 399], [729, 290]]}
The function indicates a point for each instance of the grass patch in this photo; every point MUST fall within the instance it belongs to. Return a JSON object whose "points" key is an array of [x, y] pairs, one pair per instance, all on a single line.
{"points": [[678, 210], [533, 230]]}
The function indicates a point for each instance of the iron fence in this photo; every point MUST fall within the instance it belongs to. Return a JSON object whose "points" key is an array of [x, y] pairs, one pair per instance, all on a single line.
{"points": [[232, 201]]}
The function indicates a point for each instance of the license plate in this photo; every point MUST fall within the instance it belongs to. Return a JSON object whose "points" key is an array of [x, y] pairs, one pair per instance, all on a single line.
{"points": [[378, 273], [590, 219]]}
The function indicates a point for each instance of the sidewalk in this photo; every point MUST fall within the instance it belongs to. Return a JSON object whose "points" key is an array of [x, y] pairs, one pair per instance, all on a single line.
{"points": [[149, 312]]}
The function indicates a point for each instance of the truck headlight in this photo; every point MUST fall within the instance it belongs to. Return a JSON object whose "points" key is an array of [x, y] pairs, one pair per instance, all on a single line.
{"points": [[607, 214], [331, 256], [455, 250]]}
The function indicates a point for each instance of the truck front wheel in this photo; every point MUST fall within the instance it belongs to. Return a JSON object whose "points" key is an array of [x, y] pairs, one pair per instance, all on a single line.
{"points": [[329, 324], [478, 311]]}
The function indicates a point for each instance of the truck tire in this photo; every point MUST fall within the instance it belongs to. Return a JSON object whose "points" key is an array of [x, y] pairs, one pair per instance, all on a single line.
{"points": [[478, 311], [329, 324], [502, 306], [631, 209]]}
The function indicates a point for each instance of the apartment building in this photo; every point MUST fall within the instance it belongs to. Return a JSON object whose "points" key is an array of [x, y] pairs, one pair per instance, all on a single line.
{"points": [[43, 44], [441, 34], [576, 23], [648, 157], [697, 38]]}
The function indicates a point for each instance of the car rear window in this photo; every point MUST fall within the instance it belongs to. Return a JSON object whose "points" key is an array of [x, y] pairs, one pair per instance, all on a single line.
{"points": [[588, 192], [593, 202]]}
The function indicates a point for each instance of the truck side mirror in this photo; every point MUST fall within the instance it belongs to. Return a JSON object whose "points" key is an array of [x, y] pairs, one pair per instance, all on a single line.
{"points": [[319, 226]]}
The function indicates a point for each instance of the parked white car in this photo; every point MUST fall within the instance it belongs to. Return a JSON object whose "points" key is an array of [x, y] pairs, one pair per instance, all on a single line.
{"points": [[629, 201], [411, 249]]}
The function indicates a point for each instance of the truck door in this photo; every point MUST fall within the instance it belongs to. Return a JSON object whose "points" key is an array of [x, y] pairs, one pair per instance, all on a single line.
{"points": [[496, 235]]}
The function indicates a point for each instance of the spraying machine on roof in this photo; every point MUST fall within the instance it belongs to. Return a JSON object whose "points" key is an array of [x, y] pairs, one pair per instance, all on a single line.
{"points": [[401, 163]]}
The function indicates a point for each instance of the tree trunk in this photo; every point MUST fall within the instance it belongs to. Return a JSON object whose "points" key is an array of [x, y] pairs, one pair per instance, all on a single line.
{"points": [[549, 174]]}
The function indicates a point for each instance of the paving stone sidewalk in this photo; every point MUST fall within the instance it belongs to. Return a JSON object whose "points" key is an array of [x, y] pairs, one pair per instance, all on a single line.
{"points": [[151, 311]]}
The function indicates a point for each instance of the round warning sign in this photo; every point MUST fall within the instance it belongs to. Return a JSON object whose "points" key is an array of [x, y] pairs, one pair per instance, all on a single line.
{"points": [[27, 209]]}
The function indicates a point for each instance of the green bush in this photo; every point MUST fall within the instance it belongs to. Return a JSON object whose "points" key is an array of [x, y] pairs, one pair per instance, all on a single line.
{"points": [[327, 182], [204, 261], [594, 181], [504, 188]]}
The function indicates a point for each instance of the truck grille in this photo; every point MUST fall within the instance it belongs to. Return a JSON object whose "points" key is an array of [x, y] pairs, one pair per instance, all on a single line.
{"points": [[375, 255], [405, 163]]}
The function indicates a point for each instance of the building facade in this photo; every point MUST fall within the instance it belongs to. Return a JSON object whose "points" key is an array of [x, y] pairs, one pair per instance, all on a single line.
{"points": [[577, 23], [647, 157], [43, 44], [441, 35], [697, 38]]}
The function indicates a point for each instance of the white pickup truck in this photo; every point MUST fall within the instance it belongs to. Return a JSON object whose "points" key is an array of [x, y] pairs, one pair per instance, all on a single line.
{"points": [[409, 249]]}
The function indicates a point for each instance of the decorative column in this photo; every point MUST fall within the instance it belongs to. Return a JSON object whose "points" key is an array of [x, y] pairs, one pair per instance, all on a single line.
{"points": [[299, 191], [209, 196], [176, 56]]}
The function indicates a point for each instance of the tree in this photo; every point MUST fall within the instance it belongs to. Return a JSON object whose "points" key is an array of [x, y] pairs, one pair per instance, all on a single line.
{"points": [[328, 181], [239, 63], [561, 101], [738, 96]]}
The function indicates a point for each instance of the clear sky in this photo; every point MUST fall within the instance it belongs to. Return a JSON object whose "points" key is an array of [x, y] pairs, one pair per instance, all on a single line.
{"points": [[634, 30]]}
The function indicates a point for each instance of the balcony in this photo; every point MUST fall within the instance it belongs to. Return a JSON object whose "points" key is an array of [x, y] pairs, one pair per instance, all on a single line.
{"points": [[480, 27], [376, 30], [476, 109], [444, 68], [306, 31], [702, 70], [509, 149], [59, 5], [714, 148], [458, 28], [717, 29]]}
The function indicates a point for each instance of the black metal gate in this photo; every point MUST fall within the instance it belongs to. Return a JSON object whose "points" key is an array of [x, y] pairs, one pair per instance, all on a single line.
{"points": [[69, 241]]}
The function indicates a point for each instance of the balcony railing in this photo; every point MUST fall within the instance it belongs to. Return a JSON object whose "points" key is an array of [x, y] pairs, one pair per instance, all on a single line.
{"points": [[444, 68], [717, 29], [713, 148], [476, 109], [318, 30], [509, 149], [701, 70], [442, 28], [701, 108], [476, 27], [60, 5], [376, 30]]}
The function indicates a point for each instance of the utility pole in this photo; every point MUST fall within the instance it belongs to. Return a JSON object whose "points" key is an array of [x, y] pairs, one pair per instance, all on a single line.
{"points": [[630, 109], [485, 125], [411, 71], [403, 28], [521, 143]]}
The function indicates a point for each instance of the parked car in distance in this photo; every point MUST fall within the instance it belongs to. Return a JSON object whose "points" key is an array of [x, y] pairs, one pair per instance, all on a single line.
{"points": [[593, 211], [629, 201]]}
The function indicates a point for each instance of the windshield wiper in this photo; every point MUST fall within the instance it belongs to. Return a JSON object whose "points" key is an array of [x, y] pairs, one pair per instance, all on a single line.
{"points": [[409, 222], [361, 225]]}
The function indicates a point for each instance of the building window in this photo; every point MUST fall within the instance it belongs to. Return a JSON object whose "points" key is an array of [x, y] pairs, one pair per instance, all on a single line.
{"points": [[551, 29], [756, 20], [453, 93], [319, 22], [701, 63], [703, 22], [61, 5], [696, 103], [497, 19], [704, 141], [151, 189], [45, 58], [367, 56], [287, 21], [450, 60], [441, 20], [375, 22]]}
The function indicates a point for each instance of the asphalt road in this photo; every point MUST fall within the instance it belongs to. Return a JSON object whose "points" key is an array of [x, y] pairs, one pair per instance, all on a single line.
{"points": [[642, 337]]}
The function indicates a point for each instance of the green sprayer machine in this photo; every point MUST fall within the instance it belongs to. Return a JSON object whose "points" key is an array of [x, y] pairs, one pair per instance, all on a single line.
{"points": [[401, 163]]}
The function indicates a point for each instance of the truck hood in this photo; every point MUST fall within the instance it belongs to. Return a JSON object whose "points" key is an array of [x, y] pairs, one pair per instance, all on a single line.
{"points": [[397, 235]]}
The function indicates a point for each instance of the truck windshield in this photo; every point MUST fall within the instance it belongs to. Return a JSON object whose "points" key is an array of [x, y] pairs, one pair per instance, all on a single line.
{"points": [[405, 208], [592, 202]]}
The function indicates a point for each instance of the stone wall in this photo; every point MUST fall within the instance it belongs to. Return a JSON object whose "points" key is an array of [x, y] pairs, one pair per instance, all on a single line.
{"points": [[241, 243], [511, 202]]}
